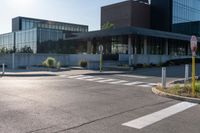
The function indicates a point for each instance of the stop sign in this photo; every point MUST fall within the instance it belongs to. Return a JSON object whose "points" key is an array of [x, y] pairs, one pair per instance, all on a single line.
{"points": [[193, 43]]}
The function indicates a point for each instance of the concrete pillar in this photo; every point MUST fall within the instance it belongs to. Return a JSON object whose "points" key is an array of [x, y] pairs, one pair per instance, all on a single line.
{"points": [[166, 47], [145, 46], [89, 47], [130, 50]]}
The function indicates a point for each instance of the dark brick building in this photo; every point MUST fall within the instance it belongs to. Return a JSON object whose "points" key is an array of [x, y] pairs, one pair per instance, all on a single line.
{"points": [[128, 13]]}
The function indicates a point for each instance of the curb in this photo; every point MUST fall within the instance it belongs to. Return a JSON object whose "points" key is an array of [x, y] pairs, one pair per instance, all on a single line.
{"points": [[176, 97], [28, 75]]}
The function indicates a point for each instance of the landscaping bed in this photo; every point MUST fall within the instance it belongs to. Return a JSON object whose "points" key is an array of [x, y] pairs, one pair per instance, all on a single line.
{"points": [[184, 90]]}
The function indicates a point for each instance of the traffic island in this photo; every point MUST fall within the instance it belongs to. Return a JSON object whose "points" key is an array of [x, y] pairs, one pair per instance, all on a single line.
{"points": [[180, 91]]}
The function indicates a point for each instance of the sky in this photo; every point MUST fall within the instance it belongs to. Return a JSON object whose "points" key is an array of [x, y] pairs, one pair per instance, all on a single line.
{"points": [[85, 12]]}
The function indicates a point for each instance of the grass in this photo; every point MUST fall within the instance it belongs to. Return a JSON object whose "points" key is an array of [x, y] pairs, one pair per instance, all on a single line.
{"points": [[183, 90]]}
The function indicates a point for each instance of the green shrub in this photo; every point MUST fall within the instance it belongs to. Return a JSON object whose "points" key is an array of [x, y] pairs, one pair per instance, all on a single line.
{"points": [[145, 65], [50, 62], [197, 89], [83, 64]]}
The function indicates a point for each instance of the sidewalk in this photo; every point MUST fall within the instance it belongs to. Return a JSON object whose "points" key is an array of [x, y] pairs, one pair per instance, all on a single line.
{"points": [[26, 73], [30, 73]]}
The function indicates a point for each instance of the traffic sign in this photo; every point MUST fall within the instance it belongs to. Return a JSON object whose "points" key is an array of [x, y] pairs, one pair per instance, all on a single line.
{"points": [[193, 43]]}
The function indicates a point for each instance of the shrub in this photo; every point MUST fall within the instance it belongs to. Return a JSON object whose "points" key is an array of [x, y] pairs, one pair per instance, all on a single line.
{"points": [[49, 62], [145, 65], [139, 65], [175, 89], [83, 64], [197, 89]]}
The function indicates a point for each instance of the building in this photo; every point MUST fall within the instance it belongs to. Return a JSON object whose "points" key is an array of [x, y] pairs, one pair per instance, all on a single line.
{"points": [[128, 13], [23, 23], [143, 32], [180, 16], [39, 36], [146, 32]]}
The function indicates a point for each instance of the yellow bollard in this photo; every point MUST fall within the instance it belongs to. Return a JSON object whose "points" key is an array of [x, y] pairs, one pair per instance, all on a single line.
{"points": [[193, 76]]}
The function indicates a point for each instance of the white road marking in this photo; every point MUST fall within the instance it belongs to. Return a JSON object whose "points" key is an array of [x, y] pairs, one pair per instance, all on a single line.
{"points": [[146, 86], [134, 83], [158, 116], [94, 79], [86, 77], [152, 84], [63, 75], [76, 76], [133, 76], [110, 81], [106, 80], [118, 82]]}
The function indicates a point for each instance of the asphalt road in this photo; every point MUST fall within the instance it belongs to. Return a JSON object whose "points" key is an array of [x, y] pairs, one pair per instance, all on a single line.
{"points": [[93, 103]]}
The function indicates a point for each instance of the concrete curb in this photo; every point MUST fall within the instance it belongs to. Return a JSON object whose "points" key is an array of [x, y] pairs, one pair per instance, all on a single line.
{"points": [[176, 97], [27, 75]]}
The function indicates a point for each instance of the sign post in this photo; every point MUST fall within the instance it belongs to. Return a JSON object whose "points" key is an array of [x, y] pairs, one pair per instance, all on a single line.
{"points": [[101, 58], [193, 43]]}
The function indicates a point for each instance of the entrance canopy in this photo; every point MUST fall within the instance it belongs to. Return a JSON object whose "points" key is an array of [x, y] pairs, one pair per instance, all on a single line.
{"points": [[130, 31]]}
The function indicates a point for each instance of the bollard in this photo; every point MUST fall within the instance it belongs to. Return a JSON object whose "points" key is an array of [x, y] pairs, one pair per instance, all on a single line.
{"points": [[186, 73], [164, 77], [3, 69]]}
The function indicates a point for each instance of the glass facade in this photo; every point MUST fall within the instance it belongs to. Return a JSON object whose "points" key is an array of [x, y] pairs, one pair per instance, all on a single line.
{"points": [[49, 41], [156, 46], [7, 43], [40, 41], [179, 48], [42, 36], [26, 41], [186, 17], [186, 11], [27, 24], [119, 45], [138, 44]]}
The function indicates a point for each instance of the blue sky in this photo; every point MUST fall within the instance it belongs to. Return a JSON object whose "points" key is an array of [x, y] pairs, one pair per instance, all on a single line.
{"points": [[73, 11]]}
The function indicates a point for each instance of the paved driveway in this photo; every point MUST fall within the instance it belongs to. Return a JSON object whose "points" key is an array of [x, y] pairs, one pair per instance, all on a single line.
{"points": [[94, 103]]}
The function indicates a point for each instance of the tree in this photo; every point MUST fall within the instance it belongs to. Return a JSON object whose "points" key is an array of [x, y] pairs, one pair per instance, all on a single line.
{"points": [[4, 50], [107, 25], [26, 49]]}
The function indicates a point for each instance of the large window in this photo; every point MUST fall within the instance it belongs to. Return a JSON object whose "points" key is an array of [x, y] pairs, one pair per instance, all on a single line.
{"points": [[119, 45], [138, 45], [7, 42], [178, 48], [26, 41], [155, 46], [186, 11], [31, 23]]}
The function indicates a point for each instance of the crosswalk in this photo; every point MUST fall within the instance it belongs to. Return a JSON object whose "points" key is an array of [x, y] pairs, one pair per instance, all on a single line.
{"points": [[110, 80]]}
